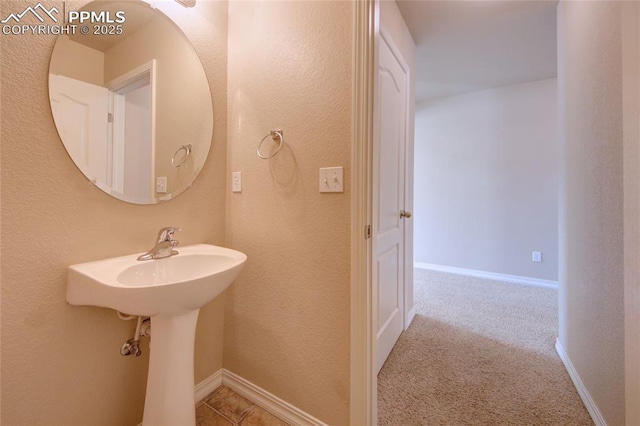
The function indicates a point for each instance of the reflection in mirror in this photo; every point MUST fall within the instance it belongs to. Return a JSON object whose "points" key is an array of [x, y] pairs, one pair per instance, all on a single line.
{"points": [[126, 105]]}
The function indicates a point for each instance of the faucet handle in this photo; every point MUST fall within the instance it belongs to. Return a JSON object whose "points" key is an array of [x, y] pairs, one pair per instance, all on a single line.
{"points": [[166, 234]]}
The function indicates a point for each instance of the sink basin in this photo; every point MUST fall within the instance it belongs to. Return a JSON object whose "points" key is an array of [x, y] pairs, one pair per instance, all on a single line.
{"points": [[170, 286], [171, 291]]}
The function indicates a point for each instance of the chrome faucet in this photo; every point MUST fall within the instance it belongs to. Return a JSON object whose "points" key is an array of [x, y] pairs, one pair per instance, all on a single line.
{"points": [[164, 246]]}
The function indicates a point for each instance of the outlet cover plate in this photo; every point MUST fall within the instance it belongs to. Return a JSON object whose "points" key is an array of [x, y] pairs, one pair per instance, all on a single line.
{"points": [[236, 181]]}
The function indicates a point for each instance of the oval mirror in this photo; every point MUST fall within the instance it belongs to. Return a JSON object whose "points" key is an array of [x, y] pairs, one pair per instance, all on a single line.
{"points": [[132, 104]]}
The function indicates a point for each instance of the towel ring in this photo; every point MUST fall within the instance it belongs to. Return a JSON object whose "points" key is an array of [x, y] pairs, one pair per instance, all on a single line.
{"points": [[274, 134], [187, 151]]}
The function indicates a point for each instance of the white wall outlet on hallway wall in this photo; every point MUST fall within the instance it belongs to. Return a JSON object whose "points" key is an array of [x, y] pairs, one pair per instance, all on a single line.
{"points": [[536, 256], [236, 182], [332, 179]]}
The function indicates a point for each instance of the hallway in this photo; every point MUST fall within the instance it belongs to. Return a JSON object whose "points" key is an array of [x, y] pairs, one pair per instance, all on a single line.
{"points": [[478, 352]]}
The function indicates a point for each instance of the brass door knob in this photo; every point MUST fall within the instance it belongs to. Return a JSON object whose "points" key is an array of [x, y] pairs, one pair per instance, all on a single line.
{"points": [[404, 214]]}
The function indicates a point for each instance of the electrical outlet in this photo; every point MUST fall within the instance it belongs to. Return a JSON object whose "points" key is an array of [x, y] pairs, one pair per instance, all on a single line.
{"points": [[332, 179], [161, 184], [236, 181], [536, 256]]}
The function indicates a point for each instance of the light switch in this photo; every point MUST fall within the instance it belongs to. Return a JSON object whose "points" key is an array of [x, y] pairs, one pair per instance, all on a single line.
{"points": [[236, 181], [332, 179], [161, 184], [536, 256]]}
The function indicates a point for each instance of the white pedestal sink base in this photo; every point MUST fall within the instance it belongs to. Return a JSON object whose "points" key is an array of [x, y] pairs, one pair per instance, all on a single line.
{"points": [[169, 290], [170, 399]]}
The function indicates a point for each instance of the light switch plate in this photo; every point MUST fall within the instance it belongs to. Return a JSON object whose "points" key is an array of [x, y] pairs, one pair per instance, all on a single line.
{"points": [[332, 179], [161, 184], [236, 181], [536, 256]]}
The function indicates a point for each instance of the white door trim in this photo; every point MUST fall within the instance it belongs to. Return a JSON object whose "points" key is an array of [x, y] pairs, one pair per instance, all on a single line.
{"points": [[363, 392], [363, 409], [631, 167], [133, 79]]}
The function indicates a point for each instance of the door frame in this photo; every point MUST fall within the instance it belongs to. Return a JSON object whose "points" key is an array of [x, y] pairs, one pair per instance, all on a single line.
{"points": [[363, 377], [631, 167], [363, 382], [363, 392], [141, 75]]}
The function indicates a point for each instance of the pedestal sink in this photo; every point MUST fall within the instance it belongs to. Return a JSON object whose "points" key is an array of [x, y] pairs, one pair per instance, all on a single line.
{"points": [[171, 291]]}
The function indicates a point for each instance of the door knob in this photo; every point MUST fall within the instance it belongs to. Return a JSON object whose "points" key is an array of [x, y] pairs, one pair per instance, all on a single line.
{"points": [[404, 214]]}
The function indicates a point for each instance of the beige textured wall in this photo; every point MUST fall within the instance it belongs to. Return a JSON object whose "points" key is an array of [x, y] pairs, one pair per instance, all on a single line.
{"points": [[80, 62], [591, 201], [61, 364], [287, 316]]}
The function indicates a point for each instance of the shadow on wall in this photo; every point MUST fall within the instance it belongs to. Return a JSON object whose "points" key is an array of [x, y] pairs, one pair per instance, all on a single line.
{"points": [[284, 171]]}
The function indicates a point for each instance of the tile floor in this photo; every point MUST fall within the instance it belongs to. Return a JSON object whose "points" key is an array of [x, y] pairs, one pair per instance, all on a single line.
{"points": [[224, 407]]}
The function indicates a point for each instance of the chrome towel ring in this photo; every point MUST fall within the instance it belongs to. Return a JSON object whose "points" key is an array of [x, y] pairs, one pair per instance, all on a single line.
{"points": [[275, 135], [187, 151]]}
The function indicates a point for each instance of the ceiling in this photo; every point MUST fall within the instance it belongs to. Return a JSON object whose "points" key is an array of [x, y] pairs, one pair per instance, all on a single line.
{"points": [[465, 46], [135, 18]]}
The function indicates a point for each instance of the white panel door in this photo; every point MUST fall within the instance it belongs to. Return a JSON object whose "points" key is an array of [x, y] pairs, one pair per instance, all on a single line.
{"points": [[388, 198], [81, 119]]}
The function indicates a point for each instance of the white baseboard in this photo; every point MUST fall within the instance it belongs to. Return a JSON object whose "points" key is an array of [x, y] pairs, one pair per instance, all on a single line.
{"points": [[208, 385], [268, 401], [577, 382], [255, 394], [516, 279]]}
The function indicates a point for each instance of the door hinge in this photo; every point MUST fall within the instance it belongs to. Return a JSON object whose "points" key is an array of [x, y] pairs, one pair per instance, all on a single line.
{"points": [[109, 117], [367, 232]]}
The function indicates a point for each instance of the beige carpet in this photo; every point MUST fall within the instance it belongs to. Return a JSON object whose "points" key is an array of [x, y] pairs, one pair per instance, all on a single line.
{"points": [[479, 352]]}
